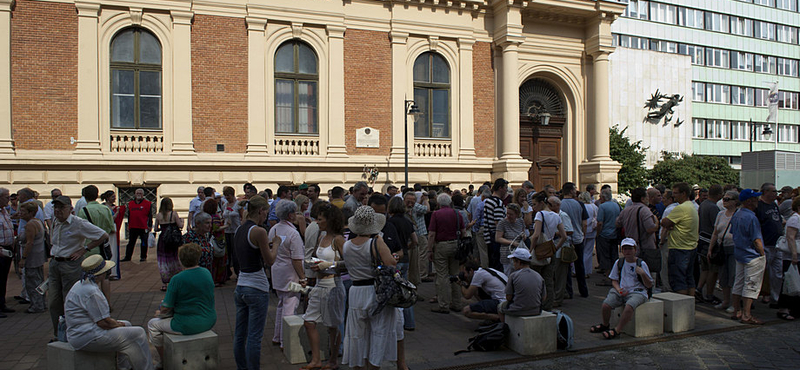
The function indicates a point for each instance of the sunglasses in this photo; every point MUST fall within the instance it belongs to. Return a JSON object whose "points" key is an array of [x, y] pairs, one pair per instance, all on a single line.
{"points": [[728, 199]]}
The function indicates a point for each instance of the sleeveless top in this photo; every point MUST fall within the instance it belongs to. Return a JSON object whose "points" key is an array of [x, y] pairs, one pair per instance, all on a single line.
{"points": [[327, 254], [358, 259], [36, 257], [249, 258]]}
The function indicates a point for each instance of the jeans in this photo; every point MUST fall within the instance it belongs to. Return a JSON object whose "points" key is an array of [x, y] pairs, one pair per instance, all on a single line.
{"points": [[607, 253], [775, 270], [134, 234], [5, 267], [35, 276], [582, 289], [251, 314], [408, 313], [681, 264], [494, 256]]}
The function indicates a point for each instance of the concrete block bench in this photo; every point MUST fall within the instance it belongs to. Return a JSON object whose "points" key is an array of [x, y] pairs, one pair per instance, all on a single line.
{"points": [[678, 312], [647, 321], [198, 351], [61, 356], [296, 346], [532, 335]]}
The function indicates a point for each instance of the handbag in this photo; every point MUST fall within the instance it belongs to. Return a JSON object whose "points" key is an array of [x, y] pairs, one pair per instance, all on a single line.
{"points": [[219, 251], [390, 287], [544, 248], [172, 236], [783, 244], [464, 245], [718, 253], [568, 254], [105, 249]]}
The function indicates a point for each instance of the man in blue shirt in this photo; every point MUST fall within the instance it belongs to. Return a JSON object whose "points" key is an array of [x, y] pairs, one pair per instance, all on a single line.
{"points": [[607, 250], [475, 212], [771, 221], [579, 216], [749, 253]]}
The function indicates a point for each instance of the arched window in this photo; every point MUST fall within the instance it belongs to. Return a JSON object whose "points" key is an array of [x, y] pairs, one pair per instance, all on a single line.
{"points": [[432, 95], [135, 80], [296, 78]]}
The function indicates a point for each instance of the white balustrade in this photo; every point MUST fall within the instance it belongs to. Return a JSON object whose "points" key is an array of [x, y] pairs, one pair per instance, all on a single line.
{"points": [[296, 146], [137, 142], [433, 148]]}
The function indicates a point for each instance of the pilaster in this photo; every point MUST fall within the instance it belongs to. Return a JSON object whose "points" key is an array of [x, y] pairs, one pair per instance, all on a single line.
{"points": [[256, 87], [182, 143], [467, 125], [399, 95], [336, 129], [88, 79], [6, 132]]}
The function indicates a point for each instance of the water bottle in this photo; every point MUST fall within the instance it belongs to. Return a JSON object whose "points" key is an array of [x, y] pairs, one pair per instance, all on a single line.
{"points": [[42, 288]]}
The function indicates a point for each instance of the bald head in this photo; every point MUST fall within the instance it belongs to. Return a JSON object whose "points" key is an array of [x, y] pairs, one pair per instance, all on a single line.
{"points": [[653, 196], [555, 204]]}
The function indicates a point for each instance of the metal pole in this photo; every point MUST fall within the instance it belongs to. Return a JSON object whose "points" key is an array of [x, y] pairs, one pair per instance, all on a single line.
{"points": [[405, 131], [752, 133]]}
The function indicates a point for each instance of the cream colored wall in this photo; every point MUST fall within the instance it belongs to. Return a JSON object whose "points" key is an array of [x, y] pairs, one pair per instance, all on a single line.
{"points": [[450, 28]]}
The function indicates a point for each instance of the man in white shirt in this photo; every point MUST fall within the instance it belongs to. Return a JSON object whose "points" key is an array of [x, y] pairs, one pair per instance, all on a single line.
{"points": [[196, 205], [48, 208], [489, 285], [68, 238]]}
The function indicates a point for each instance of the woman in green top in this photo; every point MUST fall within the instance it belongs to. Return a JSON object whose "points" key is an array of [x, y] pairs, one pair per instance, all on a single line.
{"points": [[188, 306]]}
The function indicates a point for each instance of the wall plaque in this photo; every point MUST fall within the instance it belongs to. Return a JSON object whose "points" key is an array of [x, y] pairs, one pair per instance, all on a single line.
{"points": [[368, 137]]}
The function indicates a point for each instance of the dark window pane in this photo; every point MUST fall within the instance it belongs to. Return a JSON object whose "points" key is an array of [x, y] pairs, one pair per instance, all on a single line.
{"points": [[440, 110], [122, 47], [150, 83], [308, 60], [307, 107], [422, 68], [441, 72], [122, 81], [149, 48], [421, 127], [284, 104], [150, 112], [284, 58]]}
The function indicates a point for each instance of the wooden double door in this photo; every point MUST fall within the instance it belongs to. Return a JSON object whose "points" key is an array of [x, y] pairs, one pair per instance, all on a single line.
{"points": [[542, 146]]}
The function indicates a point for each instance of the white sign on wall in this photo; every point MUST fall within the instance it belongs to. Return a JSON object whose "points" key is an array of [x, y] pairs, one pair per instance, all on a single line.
{"points": [[368, 137]]}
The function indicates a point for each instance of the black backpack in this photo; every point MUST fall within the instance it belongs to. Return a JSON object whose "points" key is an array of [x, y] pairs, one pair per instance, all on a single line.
{"points": [[489, 338], [621, 261]]}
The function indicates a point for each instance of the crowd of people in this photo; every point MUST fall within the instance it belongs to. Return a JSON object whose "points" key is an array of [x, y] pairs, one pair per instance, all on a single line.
{"points": [[490, 252]]}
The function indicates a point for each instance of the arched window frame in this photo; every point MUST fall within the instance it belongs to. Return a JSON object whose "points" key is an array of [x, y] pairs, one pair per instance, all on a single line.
{"points": [[424, 91], [297, 79], [137, 67]]}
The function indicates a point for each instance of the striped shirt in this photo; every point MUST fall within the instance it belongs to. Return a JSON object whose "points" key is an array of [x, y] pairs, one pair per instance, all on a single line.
{"points": [[493, 212], [418, 214], [6, 228]]}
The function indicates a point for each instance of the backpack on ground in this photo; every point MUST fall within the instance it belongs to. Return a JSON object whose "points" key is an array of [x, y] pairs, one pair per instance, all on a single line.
{"points": [[564, 331], [489, 338], [621, 261]]}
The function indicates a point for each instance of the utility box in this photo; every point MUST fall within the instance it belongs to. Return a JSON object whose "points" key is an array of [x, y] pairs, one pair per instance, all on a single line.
{"points": [[780, 167]]}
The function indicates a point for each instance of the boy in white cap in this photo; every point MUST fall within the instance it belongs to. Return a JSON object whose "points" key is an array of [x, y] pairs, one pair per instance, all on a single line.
{"points": [[630, 280], [525, 290]]}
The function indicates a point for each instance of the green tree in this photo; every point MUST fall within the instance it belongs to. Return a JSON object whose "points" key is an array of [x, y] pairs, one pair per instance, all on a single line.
{"points": [[631, 155], [693, 169]]}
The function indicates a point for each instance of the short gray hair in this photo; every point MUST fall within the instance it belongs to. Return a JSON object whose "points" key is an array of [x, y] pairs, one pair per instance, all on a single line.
{"points": [[528, 184], [585, 197], [202, 217], [360, 185], [730, 193], [605, 195], [485, 191], [554, 201], [444, 200], [285, 208]]}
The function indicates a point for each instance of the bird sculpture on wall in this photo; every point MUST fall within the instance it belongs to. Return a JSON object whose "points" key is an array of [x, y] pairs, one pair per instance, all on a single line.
{"points": [[661, 106]]}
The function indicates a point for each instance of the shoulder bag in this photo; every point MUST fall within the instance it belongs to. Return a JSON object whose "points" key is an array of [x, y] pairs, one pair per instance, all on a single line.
{"points": [[172, 235], [464, 248], [390, 287], [105, 249], [783, 244], [718, 253], [544, 248]]}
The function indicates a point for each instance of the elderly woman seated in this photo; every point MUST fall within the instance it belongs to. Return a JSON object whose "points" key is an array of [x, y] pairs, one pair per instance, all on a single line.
{"points": [[188, 306], [90, 326]]}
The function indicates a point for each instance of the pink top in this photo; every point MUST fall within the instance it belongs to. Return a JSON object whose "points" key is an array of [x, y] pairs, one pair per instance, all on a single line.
{"points": [[291, 248]]}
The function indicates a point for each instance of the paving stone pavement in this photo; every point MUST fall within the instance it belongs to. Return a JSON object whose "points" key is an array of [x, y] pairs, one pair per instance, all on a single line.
{"points": [[24, 337]]}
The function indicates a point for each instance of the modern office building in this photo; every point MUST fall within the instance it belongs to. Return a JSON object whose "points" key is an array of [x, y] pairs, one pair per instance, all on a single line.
{"points": [[169, 95], [735, 48]]}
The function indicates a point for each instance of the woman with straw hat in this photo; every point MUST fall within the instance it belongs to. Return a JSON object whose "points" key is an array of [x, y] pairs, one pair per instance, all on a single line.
{"points": [[89, 323]]}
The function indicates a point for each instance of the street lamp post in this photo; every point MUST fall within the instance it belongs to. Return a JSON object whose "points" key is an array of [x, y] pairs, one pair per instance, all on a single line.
{"points": [[767, 132], [412, 109]]}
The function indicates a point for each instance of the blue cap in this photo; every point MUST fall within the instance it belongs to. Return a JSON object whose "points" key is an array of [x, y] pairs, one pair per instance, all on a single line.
{"points": [[747, 194]]}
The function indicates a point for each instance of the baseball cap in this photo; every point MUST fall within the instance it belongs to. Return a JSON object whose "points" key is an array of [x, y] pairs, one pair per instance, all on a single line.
{"points": [[63, 199], [628, 242], [521, 254], [303, 187], [747, 194]]}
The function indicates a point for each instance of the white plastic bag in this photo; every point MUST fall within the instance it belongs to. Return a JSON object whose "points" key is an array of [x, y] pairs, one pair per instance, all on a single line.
{"points": [[791, 282], [151, 240]]}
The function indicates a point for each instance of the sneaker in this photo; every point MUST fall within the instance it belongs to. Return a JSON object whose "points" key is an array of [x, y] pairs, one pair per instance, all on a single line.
{"points": [[721, 306], [730, 309]]}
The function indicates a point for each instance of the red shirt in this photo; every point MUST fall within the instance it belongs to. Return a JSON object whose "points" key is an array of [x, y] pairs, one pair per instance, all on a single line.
{"points": [[138, 214], [445, 224]]}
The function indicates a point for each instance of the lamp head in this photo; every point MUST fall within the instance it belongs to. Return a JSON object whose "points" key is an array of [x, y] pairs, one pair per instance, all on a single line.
{"points": [[767, 133]]}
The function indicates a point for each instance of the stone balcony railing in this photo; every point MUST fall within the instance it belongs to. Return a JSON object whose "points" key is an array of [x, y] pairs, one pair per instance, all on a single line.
{"points": [[296, 145], [433, 148], [136, 142]]}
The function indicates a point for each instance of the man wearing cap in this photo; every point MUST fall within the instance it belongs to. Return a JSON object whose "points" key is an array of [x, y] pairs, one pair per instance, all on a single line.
{"points": [[68, 239], [630, 283], [525, 290], [90, 326], [196, 205], [748, 249], [682, 227], [771, 228], [493, 212]]}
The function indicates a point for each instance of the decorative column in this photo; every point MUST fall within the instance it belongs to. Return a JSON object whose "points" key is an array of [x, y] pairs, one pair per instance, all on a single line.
{"points": [[88, 79], [509, 148], [182, 141], [599, 146], [6, 133], [467, 125], [399, 95], [256, 87], [336, 130]]}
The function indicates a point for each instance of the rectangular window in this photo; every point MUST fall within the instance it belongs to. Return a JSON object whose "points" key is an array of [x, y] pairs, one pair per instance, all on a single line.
{"points": [[636, 9], [788, 133], [764, 30], [762, 98], [717, 22], [740, 130], [690, 17], [787, 5], [699, 128], [741, 26], [664, 46], [765, 2], [695, 52], [718, 58], [786, 34], [698, 91], [663, 13], [787, 67], [742, 95], [759, 131], [716, 93], [633, 42], [718, 129], [787, 100], [765, 64], [742, 61]]}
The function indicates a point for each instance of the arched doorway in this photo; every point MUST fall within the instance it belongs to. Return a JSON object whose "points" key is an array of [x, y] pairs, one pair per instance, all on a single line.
{"points": [[542, 116]]}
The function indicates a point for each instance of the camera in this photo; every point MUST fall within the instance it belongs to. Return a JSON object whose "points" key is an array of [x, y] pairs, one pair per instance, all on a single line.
{"points": [[457, 278]]}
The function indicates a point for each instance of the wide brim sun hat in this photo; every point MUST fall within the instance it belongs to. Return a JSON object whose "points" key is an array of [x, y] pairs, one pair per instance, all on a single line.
{"points": [[366, 222], [96, 265]]}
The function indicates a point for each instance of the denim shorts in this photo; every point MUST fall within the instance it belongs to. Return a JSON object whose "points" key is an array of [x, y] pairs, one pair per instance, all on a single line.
{"points": [[681, 269], [485, 306], [633, 299]]}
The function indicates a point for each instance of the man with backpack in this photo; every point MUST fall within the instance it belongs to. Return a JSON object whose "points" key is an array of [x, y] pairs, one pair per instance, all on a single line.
{"points": [[632, 286], [489, 285]]}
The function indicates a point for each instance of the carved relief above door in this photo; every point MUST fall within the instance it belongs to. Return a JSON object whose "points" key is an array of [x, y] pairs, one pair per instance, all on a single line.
{"points": [[542, 119]]}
